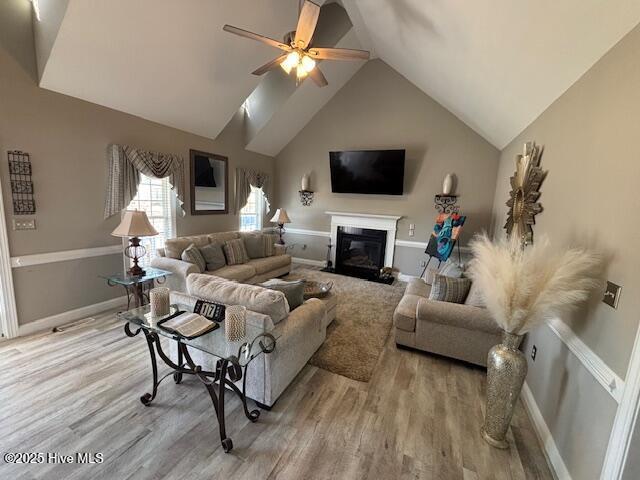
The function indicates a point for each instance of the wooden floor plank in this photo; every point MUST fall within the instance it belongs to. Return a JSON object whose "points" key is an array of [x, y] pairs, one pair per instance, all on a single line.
{"points": [[418, 418]]}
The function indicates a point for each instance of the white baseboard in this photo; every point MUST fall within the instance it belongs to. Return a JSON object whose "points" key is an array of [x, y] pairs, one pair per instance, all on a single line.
{"points": [[308, 261], [544, 435], [404, 277], [48, 323]]}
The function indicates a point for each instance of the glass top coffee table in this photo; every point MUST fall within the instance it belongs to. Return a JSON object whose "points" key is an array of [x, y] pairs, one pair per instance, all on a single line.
{"points": [[232, 358]]}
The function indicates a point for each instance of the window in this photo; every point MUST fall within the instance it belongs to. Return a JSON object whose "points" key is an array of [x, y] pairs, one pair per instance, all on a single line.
{"points": [[251, 214], [154, 197]]}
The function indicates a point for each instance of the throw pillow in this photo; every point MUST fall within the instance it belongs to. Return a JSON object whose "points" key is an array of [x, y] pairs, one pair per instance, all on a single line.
{"points": [[191, 254], [293, 291], [235, 252], [449, 289], [475, 296], [451, 269], [213, 256], [255, 245], [269, 241], [429, 275]]}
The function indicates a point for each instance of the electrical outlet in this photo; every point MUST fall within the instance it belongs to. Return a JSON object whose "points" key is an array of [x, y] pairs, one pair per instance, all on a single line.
{"points": [[534, 352], [26, 224], [412, 229], [612, 294], [423, 263], [304, 246]]}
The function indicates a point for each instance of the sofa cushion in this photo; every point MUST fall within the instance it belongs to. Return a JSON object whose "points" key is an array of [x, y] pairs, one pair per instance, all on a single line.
{"points": [[191, 254], [255, 245], [404, 316], [267, 264], [417, 286], [255, 298], [240, 273], [270, 240], [293, 290], [235, 252], [174, 247], [222, 237], [449, 289], [214, 256]]}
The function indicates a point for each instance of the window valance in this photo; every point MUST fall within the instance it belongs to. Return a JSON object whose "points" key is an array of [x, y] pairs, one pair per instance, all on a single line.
{"points": [[245, 179], [125, 166]]}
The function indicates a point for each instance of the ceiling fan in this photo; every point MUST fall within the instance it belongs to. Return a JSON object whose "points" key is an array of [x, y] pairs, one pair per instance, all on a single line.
{"points": [[299, 55]]}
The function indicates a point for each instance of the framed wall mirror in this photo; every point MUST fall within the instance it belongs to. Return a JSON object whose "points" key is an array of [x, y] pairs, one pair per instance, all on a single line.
{"points": [[209, 183]]}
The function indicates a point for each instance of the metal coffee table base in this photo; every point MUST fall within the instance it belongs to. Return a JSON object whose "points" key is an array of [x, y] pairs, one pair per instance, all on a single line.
{"points": [[227, 372]]}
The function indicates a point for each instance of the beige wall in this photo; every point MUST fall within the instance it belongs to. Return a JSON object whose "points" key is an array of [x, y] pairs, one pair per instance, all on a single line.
{"points": [[67, 139], [380, 109], [590, 198]]}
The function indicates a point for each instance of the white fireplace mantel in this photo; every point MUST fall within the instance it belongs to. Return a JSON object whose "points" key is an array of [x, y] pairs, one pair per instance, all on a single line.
{"points": [[387, 223]]}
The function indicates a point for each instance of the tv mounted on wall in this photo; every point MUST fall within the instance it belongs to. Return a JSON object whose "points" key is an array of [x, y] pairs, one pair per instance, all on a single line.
{"points": [[367, 171]]}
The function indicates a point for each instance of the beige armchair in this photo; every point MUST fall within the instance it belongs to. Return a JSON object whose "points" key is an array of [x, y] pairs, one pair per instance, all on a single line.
{"points": [[460, 331]]}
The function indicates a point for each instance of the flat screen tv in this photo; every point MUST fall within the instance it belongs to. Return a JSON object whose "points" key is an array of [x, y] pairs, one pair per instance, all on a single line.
{"points": [[367, 171]]}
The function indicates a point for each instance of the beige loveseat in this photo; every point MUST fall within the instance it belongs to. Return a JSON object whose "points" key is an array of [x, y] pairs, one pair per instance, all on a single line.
{"points": [[461, 331], [299, 333], [257, 270]]}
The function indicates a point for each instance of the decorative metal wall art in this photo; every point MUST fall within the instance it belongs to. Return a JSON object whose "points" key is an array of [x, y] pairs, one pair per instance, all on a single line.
{"points": [[446, 203], [525, 185], [21, 183], [306, 197]]}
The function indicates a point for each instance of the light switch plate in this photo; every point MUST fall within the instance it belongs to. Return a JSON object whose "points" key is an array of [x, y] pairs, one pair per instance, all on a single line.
{"points": [[24, 224], [612, 294]]}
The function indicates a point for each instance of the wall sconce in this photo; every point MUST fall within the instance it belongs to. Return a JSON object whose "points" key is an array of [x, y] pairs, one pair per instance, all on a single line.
{"points": [[446, 202]]}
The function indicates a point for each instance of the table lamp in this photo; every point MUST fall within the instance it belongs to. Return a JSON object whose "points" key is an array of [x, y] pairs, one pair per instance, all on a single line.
{"points": [[281, 218], [135, 224]]}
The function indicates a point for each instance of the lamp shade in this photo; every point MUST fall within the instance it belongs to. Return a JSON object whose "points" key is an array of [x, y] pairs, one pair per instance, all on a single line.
{"points": [[134, 223], [281, 217]]}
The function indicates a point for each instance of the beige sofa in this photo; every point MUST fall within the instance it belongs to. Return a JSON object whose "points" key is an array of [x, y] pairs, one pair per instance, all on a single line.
{"points": [[461, 331], [257, 270], [299, 332]]}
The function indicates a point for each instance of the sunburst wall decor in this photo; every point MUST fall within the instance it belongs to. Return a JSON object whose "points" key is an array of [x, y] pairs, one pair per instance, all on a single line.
{"points": [[525, 191]]}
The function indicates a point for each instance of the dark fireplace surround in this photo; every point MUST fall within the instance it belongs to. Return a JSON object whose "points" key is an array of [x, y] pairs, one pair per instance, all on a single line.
{"points": [[360, 252]]}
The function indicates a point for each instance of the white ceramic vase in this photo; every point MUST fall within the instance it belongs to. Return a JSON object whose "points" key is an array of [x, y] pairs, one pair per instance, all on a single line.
{"points": [[447, 184], [306, 183]]}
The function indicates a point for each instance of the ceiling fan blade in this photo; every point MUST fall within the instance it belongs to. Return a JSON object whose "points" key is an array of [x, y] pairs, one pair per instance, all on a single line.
{"points": [[338, 54], [254, 36], [306, 24], [318, 77], [270, 65]]}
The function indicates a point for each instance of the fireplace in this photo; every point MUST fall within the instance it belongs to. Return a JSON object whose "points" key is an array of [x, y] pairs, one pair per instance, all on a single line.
{"points": [[360, 252]]}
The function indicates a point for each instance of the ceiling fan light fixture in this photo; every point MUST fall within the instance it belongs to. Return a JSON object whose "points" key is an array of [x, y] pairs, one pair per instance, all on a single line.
{"points": [[307, 64], [290, 62]]}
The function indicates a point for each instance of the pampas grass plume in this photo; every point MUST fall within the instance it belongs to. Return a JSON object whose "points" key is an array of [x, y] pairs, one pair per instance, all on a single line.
{"points": [[524, 288]]}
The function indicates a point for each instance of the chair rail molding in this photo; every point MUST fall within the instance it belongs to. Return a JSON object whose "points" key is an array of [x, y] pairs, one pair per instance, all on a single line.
{"points": [[64, 255], [625, 420], [611, 382], [8, 310]]}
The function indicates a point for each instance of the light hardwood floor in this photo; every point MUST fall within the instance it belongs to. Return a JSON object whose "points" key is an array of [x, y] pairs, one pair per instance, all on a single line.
{"points": [[78, 391]]}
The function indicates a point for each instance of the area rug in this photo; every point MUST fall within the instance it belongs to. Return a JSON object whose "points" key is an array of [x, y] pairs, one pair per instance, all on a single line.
{"points": [[364, 317]]}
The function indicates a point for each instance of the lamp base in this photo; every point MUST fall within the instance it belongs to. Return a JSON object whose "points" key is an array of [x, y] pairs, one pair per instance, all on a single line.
{"points": [[136, 271], [280, 232]]}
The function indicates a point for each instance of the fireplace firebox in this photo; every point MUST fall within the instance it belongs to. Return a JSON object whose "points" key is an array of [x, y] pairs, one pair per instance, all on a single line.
{"points": [[360, 252]]}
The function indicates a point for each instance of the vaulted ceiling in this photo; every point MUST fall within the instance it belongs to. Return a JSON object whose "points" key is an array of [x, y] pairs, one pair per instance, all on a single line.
{"points": [[496, 64]]}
